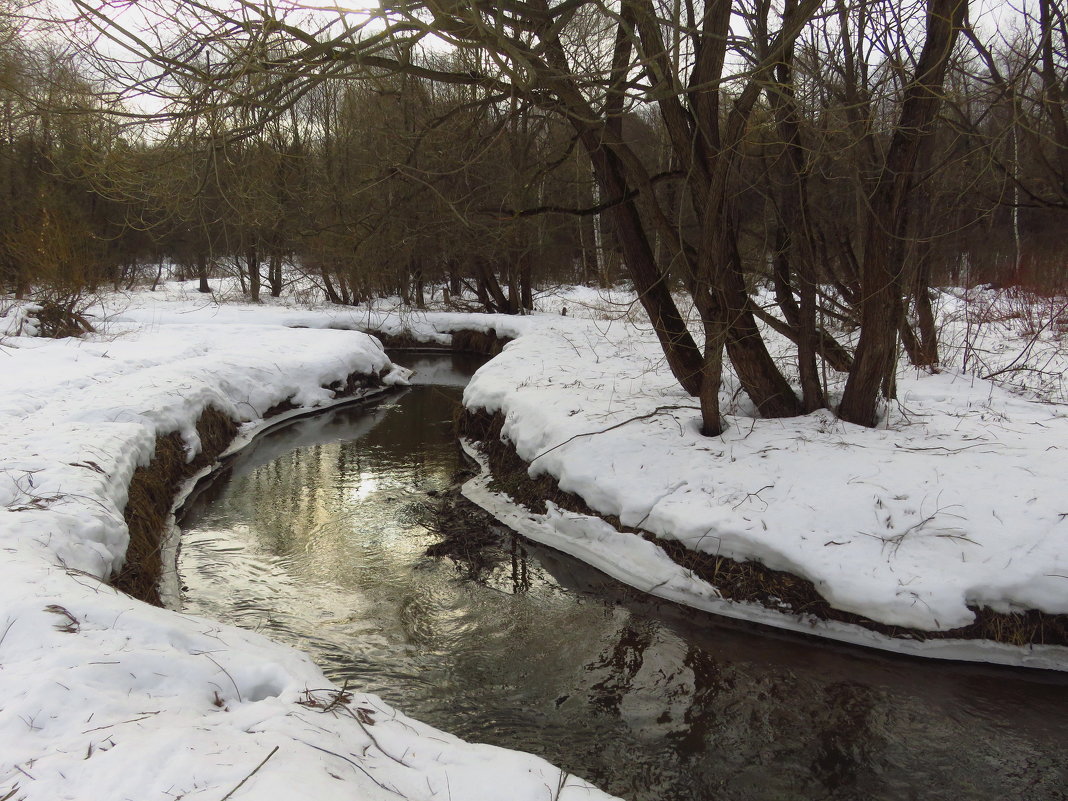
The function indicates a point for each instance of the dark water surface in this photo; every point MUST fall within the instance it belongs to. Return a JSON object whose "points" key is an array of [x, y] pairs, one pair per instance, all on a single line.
{"points": [[316, 540]]}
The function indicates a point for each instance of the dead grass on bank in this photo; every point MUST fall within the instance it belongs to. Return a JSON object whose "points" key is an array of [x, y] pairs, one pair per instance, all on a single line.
{"points": [[744, 580], [151, 494]]}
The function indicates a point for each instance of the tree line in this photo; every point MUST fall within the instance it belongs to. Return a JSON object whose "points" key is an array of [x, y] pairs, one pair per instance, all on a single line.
{"points": [[848, 154], [370, 188]]}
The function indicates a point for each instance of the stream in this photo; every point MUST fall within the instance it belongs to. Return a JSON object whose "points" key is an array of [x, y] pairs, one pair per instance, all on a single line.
{"points": [[317, 534]]}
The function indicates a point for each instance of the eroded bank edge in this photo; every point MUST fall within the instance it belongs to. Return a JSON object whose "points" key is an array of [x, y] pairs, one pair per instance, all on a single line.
{"points": [[747, 590], [742, 590]]}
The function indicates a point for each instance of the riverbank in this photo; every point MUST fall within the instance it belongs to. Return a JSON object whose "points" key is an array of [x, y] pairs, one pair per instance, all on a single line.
{"points": [[941, 532], [942, 524], [109, 697]]}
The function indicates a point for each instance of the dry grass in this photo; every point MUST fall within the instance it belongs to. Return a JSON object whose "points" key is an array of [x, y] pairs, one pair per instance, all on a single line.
{"points": [[151, 494], [61, 317], [744, 580]]}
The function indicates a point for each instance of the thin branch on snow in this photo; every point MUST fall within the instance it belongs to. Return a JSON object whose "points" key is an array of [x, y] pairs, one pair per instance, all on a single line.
{"points": [[264, 762], [352, 762], [224, 670], [653, 413]]}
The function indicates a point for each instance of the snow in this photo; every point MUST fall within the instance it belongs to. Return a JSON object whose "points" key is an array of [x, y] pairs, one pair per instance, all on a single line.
{"points": [[643, 565], [954, 500], [105, 697]]}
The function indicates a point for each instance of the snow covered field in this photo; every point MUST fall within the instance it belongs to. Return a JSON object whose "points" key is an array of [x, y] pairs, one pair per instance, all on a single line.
{"points": [[104, 697], [955, 500]]}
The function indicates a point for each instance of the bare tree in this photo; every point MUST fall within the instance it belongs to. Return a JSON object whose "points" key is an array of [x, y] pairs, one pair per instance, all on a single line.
{"points": [[705, 125]]}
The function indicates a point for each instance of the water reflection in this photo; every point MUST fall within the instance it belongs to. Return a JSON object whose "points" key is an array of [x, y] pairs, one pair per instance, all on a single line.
{"points": [[316, 539]]}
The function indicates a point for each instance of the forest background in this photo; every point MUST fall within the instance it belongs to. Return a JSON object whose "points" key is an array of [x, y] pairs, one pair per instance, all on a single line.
{"points": [[848, 155]]}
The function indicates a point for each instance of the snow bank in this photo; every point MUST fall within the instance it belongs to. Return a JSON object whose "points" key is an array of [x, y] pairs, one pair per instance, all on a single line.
{"points": [[956, 500], [179, 304], [105, 697]]}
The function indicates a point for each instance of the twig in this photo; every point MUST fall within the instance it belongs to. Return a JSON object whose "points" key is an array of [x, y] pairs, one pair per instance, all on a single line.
{"points": [[273, 751], [646, 416], [352, 762], [360, 722], [231, 678], [3, 636], [560, 784], [72, 626], [340, 698], [131, 720], [756, 495], [943, 448]]}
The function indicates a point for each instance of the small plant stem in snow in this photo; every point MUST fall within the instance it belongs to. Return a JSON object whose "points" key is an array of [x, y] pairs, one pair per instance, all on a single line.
{"points": [[253, 773]]}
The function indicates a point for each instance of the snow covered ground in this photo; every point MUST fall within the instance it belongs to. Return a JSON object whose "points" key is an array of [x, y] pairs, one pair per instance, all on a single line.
{"points": [[955, 500], [104, 697]]}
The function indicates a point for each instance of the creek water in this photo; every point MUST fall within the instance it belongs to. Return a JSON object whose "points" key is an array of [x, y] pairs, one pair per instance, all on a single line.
{"points": [[317, 536]]}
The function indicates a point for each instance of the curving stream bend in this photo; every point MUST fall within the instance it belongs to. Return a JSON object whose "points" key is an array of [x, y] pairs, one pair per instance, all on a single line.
{"points": [[317, 537]]}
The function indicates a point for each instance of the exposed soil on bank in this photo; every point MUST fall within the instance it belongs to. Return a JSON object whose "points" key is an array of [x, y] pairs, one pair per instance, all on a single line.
{"points": [[478, 343], [742, 580], [151, 495], [153, 489], [155, 486]]}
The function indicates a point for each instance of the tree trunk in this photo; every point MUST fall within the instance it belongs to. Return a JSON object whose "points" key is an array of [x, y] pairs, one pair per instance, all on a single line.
{"points": [[881, 306], [253, 261], [759, 375], [202, 273], [515, 305], [526, 291], [415, 269], [490, 289], [483, 295], [925, 321], [455, 287], [712, 378], [718, 273], [807, 347], [328, 287], [274, 274], [796, 242], [682, 354], [926, 352]]}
